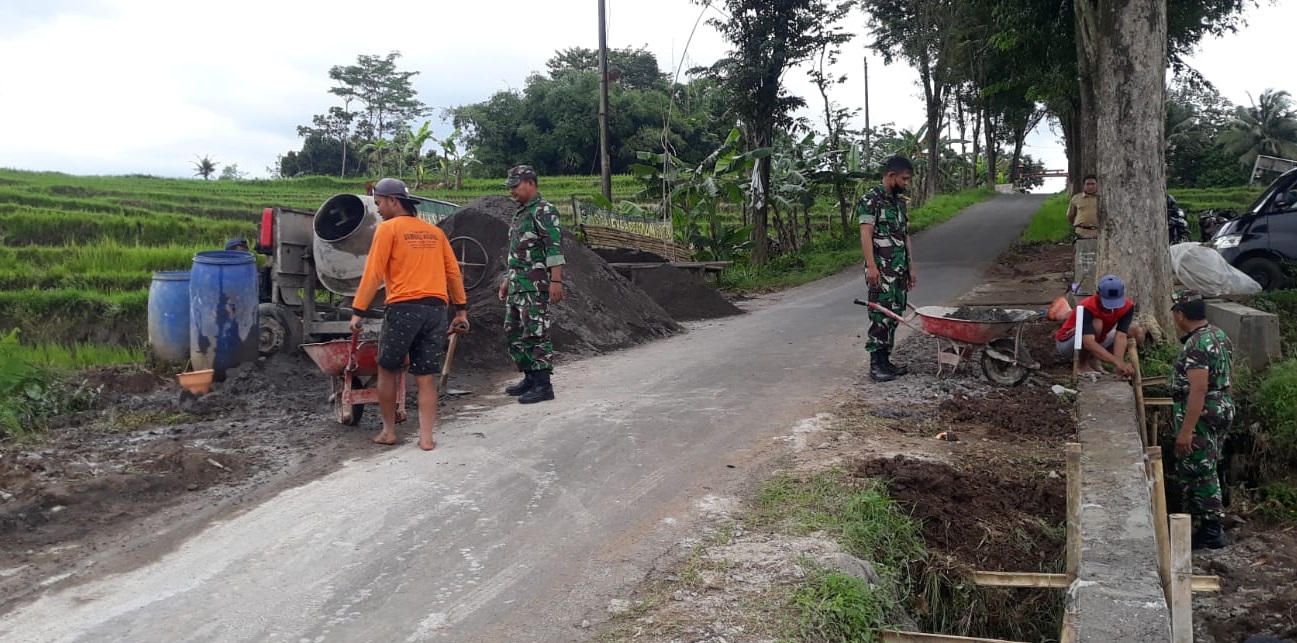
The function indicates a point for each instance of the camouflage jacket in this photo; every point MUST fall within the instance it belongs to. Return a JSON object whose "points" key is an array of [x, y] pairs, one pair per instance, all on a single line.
{"points": [[889, 216], [534, 238], [1207, 347]]}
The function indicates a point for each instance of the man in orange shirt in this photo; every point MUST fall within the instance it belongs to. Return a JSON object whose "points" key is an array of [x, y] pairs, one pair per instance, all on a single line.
{"points": [[413, 259]]}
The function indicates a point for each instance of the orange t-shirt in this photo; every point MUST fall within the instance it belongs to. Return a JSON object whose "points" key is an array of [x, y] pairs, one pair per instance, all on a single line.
{"points": [[413, 258]]}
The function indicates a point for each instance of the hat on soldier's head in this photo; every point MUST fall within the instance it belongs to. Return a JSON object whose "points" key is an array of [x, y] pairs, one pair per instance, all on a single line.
{"points": [[236, 242], [1182, 297], [518, 174]]}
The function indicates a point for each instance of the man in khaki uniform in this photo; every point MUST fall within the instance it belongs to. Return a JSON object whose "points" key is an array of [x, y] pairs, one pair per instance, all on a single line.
{"points": [[1083, 209]]}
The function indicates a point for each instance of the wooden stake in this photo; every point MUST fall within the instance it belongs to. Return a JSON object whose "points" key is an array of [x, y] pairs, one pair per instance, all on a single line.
{"points": [[893, 636], [1073, 510], [1181, 579], [1160, 528], [1158, 401]]}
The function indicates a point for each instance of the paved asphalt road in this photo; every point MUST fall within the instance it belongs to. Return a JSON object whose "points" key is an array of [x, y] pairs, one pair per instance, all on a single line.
{"points": [[525, 520]]}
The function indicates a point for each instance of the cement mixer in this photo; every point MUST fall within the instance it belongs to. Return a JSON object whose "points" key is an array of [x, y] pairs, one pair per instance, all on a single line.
{"points": [[315, 262]]}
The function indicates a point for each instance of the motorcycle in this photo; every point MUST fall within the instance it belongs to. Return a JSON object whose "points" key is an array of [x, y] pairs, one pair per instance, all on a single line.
{"points": [[1210, 221], [1177, 222]]}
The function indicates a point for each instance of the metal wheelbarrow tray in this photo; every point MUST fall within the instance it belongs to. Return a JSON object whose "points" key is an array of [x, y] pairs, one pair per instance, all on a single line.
{"points": [[1004, 360], [352, 367]]}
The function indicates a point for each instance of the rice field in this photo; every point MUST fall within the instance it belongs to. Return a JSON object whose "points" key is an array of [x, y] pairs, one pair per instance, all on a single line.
{"points": [[77, 253]]}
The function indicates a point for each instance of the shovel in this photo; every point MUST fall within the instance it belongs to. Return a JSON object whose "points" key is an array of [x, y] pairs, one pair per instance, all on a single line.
{"points": [[445, 369]]}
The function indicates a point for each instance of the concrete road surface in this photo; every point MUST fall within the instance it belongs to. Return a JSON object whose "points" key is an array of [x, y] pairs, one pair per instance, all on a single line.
{"points": [[526, 520]]}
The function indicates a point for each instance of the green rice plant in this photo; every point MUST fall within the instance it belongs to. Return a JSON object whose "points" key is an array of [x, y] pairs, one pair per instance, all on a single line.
{"points": [[1272, 406], [67, 316], [28, 227], [79, 355], [1050, 222]]}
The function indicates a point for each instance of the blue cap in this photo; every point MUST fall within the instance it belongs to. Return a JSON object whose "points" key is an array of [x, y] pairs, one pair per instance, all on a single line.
{"points": [[1112, 293], [235, 242]]}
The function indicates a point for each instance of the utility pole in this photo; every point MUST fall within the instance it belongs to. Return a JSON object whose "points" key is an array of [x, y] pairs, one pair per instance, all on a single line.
{"points": [[869, 149], [604, 161]]}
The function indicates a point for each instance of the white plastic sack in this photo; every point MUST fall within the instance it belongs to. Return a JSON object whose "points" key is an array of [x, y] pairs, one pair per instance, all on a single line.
{"points": [[1203, 269]]}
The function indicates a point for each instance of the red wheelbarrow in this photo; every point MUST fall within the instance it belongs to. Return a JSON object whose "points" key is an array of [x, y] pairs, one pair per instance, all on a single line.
{"points": [[1004, 360], [352, 367]]}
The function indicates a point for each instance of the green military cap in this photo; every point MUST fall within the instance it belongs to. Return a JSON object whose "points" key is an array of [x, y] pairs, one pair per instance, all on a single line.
{"points": [[518, 174], [1184, 297]]}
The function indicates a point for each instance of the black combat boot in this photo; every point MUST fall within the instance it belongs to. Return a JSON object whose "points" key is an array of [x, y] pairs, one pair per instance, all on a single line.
{"points": [[894, 368], [878, 370], [1210, 535], [521, 386], [541, 390]]}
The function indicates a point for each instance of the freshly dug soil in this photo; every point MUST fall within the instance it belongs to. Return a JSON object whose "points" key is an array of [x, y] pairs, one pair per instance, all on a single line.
{"points": [[975, 515], [601, 310], [1018, 413], [970, 313], [683, 295]]}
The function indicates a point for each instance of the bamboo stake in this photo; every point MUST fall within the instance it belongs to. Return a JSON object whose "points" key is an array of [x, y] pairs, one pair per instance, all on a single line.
{"points": [[893, 636], [1181, 573], [1160, 527], [1199, 584], [1149, 436], [1069, 628], [1158, 401], [1073, 510]]}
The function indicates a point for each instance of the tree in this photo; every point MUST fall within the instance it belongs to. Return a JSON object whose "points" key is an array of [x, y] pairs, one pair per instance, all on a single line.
{"points": [[835, 117], [1130, 50], [232, 173], [386, 94], [629, 68], [1196, 114], [1268, 127], [768, 38], [205, 167], [922, 33]]}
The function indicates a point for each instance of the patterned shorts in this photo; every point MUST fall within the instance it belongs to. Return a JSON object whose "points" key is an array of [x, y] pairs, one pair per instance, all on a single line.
{"points": [[416, 330]]}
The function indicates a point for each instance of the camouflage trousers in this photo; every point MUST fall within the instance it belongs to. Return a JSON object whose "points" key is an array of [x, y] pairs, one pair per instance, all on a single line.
{"points": [[1196, 474], [892, 292], [526, 329]]}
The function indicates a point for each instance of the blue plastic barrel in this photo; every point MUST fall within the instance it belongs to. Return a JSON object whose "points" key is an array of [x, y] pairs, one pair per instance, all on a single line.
{"points": [[223, 310], [169, 315]]}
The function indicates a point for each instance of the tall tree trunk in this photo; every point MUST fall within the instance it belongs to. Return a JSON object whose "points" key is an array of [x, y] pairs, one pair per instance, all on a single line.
{"points": [[977, 144], [962, 120], [991, 155], [934, 99], [1088, 71], [761, 198], [1130, 85]]}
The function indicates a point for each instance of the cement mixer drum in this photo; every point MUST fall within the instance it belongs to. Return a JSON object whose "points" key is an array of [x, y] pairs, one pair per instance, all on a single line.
{"points": [[344, 227]]}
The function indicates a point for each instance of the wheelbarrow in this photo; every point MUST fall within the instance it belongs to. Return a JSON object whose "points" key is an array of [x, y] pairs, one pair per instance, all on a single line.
{"points": [[1004, 359], [352, 367]]}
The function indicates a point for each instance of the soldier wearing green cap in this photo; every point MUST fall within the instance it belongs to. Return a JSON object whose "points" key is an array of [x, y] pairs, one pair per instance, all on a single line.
{"points": [[532, 282], [1203, 411]]}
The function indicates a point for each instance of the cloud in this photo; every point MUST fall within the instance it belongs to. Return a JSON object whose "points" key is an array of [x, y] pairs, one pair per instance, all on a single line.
{"points": [[122, 86]]}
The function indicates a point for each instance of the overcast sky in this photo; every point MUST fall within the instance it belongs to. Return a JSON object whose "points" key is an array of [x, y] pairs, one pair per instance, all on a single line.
{"points": [[146, 86]]}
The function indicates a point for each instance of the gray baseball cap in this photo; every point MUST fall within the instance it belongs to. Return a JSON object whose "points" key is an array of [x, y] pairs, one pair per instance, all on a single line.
{"points": [[393, 187]]}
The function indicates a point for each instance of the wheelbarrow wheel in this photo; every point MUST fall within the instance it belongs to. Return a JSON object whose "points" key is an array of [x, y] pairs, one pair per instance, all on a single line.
{"points": [[348, 414], [1001, 371]]}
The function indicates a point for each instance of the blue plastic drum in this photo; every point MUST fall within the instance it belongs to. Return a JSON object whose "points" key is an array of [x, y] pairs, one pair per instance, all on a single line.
{"points": [[169, 315], [223, 310]]}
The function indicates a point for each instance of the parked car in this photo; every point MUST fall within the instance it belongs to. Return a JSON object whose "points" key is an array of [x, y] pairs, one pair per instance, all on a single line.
{"points": [[1262, 240]]}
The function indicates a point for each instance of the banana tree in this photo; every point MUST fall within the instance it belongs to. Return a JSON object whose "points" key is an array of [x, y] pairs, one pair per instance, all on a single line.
{"points": [[375, 149], [413, 150]]}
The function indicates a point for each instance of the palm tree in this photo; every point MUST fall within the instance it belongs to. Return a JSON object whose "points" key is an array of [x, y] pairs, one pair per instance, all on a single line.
{"points": [[1268, 127], [205, 167]]}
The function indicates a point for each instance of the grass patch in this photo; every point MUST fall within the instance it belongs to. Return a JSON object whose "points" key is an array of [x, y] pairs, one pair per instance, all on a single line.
{"points": [[78, 356], [943, 207], [1050, 222], [833, 607], [1217, 198], [31, 394]]}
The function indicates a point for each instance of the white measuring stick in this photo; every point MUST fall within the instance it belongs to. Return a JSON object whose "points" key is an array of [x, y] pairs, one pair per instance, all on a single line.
{"points": [[1077, 335]]}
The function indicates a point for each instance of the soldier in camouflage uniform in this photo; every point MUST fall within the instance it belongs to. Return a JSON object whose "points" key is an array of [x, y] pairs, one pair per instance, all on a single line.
{"points": [[532, 282], [1203, 410], [889, 267]]}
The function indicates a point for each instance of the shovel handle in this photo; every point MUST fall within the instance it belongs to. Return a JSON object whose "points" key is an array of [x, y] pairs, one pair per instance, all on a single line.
{"points": [[351, 352], [874, 306], [445, 364]]}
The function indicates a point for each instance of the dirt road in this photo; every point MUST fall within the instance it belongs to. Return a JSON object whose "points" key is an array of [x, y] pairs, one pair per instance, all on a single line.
{"points": [[526, 521]]}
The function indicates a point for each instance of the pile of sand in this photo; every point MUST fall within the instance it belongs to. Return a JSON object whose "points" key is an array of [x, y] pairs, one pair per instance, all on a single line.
{"points": [[601, 311]]}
